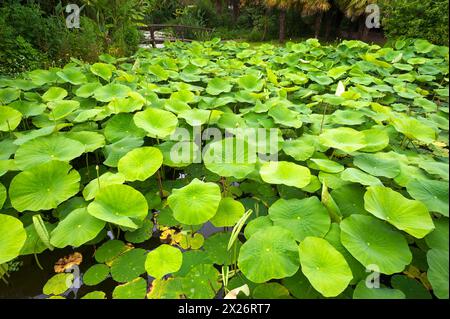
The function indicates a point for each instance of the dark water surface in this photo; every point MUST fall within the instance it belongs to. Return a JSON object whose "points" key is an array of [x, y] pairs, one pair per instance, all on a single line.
{"points": [[29, 280]]}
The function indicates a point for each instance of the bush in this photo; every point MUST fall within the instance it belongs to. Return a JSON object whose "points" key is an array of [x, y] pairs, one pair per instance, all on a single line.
{"points": [[32, 38], [426, 19], [86, 43], [17, 54]]}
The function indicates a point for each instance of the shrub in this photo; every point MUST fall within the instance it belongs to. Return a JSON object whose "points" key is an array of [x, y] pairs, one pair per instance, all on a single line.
{"points": [[416, 19]]}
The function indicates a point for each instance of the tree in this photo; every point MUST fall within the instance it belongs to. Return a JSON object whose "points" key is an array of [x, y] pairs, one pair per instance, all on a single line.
{"points": [[355, 10], [317, 8], [400, 19], [236, 9], [282, 6], [219, 6]]}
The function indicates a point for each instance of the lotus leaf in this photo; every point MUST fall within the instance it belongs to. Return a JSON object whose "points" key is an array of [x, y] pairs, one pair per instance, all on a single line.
{"points": [[303, 217], [344, 138], [408, 215], [44, 186], [360, 235], [119, 204], [195, 203], [12, 238], [157, 123], [163, 260], [140, 163], [76, 229], [285, 173], [272, 243], [324, 266]]}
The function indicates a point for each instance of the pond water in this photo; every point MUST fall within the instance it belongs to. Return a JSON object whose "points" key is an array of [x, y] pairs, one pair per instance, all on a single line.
{"points": [[29, 280]]}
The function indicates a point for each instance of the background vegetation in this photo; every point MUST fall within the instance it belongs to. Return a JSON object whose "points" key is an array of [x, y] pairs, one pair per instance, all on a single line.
{"points": [[34, 34]]}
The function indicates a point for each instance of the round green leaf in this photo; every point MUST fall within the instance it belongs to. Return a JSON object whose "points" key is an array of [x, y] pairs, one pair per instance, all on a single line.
{"points": [[111, 91], [202, 282], [438, 273], [95, 274], [27, 108], [44, 187], [91, 189], [140, 163], [412, 288], [360, 235], [285, 173], [379, 164], [103, 70], [376, 140], [364, 292], [256, 225], [110, 250], [251, 83], [357, 176], [163, 260], [58, 284], [325, 165], [195, 117], [54, 94], [87, 90], [94, 295], [230, 157], [271, 290], [157, 123], [9, 119], [121, 205], [46, 149], [121, 126], [324, 266], [439, 237], [12, 238], [216, 249], [135, 289], [343, 138], [128, 265], [217, 86], [303, 217], [408, 215], [300, 149], [142, 234], [195, 203], [299, 286], [273, 244], [228, 213], [76, 229], [434, 194], [91, 140], [72, 75], [8, 95]]}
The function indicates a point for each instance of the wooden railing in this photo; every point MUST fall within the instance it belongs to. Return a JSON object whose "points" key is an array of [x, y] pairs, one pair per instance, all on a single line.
{"points": [[180, 32]]}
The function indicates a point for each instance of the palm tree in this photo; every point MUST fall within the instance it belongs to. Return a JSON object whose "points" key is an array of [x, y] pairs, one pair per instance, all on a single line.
{"points": [[317, 8], [282, 6], [355, 10]]}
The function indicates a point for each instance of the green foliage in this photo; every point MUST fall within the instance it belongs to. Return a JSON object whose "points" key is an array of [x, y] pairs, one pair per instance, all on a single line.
{"points": [[32, 38], [360, 183], [416, 19]]}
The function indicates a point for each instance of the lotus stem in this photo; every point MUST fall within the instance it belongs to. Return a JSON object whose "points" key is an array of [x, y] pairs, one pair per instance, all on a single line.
{"points": [[323, 118], [37, 262], [161, 192], [98, 175], [87, 166]]}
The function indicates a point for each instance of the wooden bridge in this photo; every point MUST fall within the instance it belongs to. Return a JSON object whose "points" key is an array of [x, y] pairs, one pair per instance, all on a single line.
{"points": [[159, 33]]}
